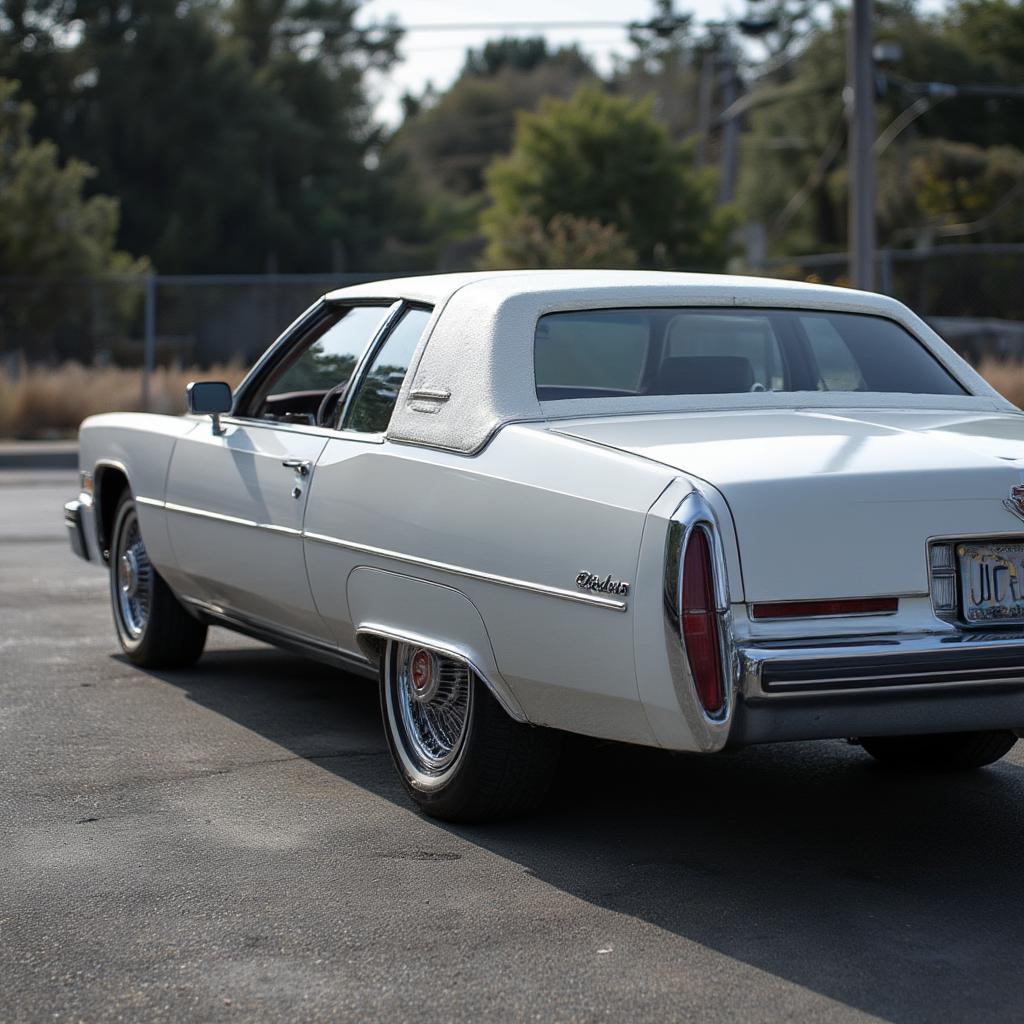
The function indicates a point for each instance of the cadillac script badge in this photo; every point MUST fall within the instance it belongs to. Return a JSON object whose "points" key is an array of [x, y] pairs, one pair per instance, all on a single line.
{"points": [[591, 581]]}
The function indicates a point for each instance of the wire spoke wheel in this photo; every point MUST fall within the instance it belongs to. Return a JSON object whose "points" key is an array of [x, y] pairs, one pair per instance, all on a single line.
{"points": [[430, 699], [134, 582], [459, 754]]}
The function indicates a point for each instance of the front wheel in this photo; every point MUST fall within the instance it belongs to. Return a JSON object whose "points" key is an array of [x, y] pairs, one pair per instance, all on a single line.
{"points": [[459, 755], [154, 629], [944, 752]]}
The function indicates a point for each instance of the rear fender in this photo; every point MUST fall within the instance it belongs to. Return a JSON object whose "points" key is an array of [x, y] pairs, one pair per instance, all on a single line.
{"points": [[391, 606]]}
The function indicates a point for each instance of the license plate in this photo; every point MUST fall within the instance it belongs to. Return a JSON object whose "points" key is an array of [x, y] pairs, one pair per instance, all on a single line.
{"points": [[992, 582]]}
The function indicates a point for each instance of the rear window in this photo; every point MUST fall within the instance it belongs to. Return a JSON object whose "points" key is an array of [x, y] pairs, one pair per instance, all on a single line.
{"points": [[625, 352]]}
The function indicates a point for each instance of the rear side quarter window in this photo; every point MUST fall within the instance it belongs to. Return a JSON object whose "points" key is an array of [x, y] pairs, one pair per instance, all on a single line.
{"points": [[377, 391]]}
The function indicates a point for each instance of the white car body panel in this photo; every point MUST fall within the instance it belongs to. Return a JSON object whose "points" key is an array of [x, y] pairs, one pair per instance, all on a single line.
{"points": [[469, 523], [140, 446], [837, 504], [234, 525], [474, 525]]}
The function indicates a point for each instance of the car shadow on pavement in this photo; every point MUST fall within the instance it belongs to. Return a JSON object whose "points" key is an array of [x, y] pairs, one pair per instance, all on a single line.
{"points": [[899, 895]]}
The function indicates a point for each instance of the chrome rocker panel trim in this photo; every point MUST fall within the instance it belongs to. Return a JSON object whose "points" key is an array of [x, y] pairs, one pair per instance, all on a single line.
{"points": [[288, 640]]}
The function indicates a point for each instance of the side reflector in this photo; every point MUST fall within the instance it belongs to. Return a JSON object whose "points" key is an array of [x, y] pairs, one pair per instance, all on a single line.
{"points": [[819, 609], [700, 623]]}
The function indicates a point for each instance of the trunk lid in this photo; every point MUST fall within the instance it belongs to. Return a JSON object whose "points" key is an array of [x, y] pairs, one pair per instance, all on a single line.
{"points": [[838, 503]]}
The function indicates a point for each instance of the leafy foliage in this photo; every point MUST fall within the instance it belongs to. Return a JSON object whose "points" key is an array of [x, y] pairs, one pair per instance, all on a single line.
{"points": [[237, 135], [606, 159], [453, 139], [49, 230]]}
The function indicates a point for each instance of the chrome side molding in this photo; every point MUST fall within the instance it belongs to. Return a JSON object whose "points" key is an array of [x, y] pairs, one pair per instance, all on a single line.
{"points": [[578, 596]]}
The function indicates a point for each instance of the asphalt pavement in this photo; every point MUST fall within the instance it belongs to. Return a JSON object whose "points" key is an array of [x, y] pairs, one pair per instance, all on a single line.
{"points": [[230, 844]]}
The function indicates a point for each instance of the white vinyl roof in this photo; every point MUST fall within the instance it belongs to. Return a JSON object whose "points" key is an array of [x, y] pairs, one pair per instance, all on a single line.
{"points": [[473, 370]]}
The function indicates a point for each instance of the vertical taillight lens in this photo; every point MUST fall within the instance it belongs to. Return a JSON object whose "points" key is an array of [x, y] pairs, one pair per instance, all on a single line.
{"points": [[699, 623]]}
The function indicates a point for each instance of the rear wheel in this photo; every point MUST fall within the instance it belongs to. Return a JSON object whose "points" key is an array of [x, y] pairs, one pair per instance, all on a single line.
{"points": [[459, 755], [944, 752], [154, 629]]}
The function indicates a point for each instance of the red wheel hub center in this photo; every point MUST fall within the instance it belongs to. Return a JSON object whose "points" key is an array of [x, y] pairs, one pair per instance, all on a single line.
{"points": [[421, 670]]}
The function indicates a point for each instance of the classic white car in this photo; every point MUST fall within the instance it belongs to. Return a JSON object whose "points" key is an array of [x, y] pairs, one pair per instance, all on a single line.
{"points": [[678, 510]]}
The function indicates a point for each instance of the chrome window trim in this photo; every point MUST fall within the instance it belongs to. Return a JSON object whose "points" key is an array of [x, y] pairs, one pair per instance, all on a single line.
{"points": [[293, 333], [388, 324], [309, 430], [394, 318], [695, 513]]}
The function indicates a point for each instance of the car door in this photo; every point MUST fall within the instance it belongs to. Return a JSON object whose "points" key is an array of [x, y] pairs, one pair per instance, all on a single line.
{"points": [[236, 500], [339, 508]]}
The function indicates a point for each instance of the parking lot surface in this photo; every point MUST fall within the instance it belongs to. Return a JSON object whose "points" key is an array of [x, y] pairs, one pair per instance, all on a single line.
{"points": [[230, 843]]}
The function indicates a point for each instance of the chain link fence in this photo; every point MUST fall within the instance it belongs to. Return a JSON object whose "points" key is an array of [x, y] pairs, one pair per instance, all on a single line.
{"points": [[129, 320]]}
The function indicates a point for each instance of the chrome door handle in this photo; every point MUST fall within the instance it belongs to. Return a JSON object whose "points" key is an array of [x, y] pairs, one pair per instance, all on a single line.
{"points": [[301, 466]]}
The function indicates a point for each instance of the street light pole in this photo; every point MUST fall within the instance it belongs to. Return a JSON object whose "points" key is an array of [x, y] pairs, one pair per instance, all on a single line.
{"points": [[860, 103]]}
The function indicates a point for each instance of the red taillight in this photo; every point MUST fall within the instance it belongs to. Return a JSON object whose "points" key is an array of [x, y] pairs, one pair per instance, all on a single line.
{"points": [[700, 623], [812, 609]]}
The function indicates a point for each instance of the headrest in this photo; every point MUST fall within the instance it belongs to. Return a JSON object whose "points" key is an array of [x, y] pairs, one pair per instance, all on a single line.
{"points": [[704, 375]]}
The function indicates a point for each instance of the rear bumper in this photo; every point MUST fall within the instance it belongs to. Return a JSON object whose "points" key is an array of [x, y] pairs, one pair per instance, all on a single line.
{"points": [[878, 686], [76, 528]]}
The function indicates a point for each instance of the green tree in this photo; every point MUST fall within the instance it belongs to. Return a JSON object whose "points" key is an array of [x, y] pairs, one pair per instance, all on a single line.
{"points": [[453, 138], [606, 159], [237, 133], [794, 150], [49, 230], [953, 190]]}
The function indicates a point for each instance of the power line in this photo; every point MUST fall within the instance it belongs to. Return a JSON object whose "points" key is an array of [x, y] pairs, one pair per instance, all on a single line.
{"points": [[501, 26]]}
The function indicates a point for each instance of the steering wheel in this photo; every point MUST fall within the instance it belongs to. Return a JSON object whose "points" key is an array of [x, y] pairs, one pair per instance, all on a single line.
{"points": [[329, 404]]}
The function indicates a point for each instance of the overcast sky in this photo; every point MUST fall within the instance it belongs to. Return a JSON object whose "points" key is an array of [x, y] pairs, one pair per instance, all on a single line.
{"points": [[437, 55]]}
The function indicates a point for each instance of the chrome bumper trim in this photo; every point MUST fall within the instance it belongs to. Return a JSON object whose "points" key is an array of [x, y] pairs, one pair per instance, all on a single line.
{"points": [[780, 670], [76, 531]]}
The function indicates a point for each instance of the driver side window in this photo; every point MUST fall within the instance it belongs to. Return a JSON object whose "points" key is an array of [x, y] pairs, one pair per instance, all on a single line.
{"points": [[329, 357]]}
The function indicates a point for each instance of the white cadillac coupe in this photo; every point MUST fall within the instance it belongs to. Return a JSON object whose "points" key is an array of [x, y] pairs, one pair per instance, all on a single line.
{"points": [[677, 510]]}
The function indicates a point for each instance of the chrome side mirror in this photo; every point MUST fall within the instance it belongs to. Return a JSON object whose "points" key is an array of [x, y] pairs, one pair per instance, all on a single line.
{"points": [[209, 398]]}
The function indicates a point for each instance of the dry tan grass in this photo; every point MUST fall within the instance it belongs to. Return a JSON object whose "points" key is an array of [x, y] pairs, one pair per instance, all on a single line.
{"points": [[1007, 378], [44, 402]]}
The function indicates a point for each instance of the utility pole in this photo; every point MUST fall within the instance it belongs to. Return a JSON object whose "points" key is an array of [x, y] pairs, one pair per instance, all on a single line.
{"points": [[706, 88], [860, 105], [731, 129]]}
